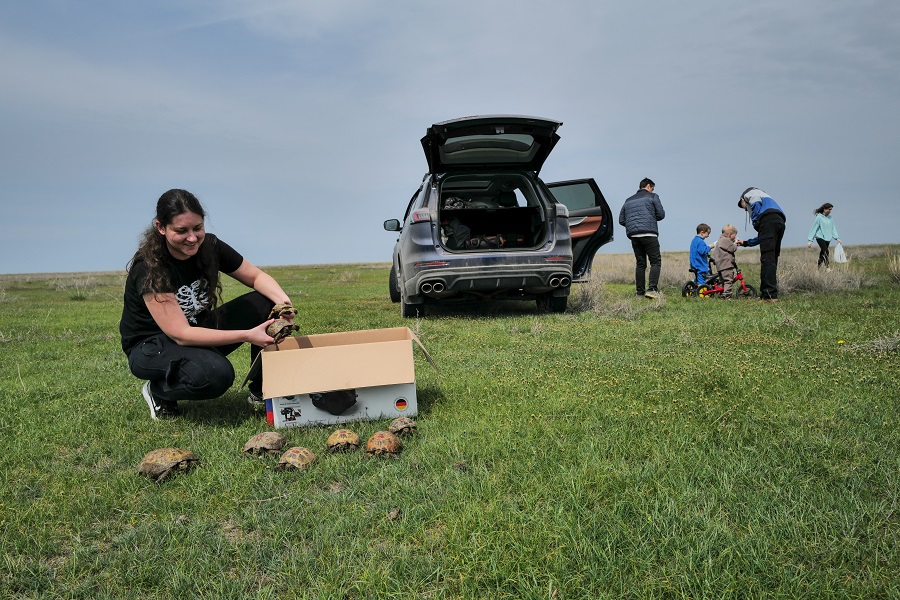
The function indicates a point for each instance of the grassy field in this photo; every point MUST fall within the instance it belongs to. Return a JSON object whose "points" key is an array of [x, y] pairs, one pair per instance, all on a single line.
{"points": [[679, 448]]}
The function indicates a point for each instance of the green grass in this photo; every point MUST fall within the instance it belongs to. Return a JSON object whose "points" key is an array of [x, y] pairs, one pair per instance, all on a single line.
{"points": [[628, 448]]}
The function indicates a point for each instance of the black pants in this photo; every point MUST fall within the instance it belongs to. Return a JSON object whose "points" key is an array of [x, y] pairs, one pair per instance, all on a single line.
{"points": [[823, 252], [646, 248], [771, 231], [196, 372]]}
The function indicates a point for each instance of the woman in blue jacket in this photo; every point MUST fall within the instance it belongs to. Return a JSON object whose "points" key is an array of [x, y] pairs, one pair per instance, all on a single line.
{"points": [[824, 232]]}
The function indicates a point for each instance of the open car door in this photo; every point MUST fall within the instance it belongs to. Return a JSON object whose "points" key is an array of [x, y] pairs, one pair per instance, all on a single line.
{"points": [[590, 221]]}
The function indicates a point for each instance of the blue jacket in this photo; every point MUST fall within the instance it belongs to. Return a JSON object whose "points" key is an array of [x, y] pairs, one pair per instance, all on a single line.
{"points": [[699, 254], [760, 204], [640, 213]]}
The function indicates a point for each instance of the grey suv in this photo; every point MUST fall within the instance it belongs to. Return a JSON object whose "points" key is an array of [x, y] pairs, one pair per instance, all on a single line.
{"points": [[483, 225]]}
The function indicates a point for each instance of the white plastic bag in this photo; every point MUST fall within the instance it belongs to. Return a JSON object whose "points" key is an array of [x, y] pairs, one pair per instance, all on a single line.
{"points": [[839, 255]]}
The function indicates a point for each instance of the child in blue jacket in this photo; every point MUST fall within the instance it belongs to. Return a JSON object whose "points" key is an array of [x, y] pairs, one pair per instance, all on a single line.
{"points": [[700, 253]]}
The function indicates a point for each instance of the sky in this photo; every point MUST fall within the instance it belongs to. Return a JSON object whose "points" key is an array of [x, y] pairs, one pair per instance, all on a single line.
{"points": [[297, 123]]}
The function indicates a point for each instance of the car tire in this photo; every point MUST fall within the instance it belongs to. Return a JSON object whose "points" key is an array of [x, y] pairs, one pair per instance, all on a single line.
{"points": [[551, 303], [393, 288]]}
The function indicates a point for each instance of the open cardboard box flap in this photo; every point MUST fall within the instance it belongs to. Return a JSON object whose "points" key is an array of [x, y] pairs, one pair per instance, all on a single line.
{"points": [[337, 361]]}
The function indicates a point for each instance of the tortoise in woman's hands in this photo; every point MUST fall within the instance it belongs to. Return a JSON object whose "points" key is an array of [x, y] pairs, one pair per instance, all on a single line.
{"points": [[282, 311], [280, 329]]}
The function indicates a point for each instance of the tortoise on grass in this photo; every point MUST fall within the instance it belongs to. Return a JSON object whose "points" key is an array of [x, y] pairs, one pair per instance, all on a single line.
{"points": [[383, 443], [402, 426], [342, 440], [268, 442], [281, 329], [297, 457], [162, 462]]}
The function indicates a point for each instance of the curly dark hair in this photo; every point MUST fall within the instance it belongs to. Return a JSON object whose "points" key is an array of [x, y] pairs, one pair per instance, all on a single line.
{"points": [[153, 250]]}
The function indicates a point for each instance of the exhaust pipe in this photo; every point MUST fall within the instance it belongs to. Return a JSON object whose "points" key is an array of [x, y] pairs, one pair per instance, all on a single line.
{"points": [[564, 281], [426, 287], [438, 287], [554, 282]]}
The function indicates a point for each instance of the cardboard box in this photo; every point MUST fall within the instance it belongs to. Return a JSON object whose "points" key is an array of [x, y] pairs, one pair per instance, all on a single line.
{"points": [[376, 365]]}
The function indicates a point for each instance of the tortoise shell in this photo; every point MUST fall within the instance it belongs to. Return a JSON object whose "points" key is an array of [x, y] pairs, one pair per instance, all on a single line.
{"points": [[402, 426], [268, 442], [282, 311], [297, 457], [162, 462], [383, 443], [281, 329], [342, 440]]}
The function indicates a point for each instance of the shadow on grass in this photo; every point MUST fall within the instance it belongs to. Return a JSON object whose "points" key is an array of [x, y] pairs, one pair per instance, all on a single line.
{"points": [[462, 309], [231, 410]]}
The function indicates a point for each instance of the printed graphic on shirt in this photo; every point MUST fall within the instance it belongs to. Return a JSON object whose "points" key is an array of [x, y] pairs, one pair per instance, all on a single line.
{"points": [[193, 299]]}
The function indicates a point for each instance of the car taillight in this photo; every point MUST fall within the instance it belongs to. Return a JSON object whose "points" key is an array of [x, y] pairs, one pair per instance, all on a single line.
{"points": [[421, 216], [557, 258], [432, 263]]}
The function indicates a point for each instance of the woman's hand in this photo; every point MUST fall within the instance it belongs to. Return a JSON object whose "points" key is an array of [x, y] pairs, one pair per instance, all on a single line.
{"points": [[258, 335], [809, 244]]}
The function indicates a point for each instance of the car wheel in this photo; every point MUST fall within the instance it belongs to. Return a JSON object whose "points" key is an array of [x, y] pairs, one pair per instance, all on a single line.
{"points": [[550, 303], [750, 293], [393, 288], [689, 290]]}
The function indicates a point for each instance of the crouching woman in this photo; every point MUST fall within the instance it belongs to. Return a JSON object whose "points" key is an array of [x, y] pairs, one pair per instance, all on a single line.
{"points": [[174, 330]]}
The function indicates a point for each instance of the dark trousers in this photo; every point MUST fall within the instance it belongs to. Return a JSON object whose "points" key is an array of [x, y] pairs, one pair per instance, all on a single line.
{"points": [[646, 248], [823, 251], [771, 231], [196, 372]]}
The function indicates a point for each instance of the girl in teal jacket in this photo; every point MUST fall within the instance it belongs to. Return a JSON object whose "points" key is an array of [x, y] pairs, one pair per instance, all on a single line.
{"points": [[824, 232]]}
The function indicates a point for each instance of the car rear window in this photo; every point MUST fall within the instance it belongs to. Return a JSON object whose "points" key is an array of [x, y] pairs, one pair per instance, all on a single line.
{"points": [[506, 148]]}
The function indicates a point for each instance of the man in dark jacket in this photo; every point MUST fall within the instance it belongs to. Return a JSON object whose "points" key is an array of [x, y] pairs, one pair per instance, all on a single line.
{"points": [[768, 219], [639, 216]]}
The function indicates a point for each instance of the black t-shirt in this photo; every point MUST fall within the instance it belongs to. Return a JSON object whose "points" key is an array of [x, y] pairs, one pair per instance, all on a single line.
{"points": [[188, 284]]}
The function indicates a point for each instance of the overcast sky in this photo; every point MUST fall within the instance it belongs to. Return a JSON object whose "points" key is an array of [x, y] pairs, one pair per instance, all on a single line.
{"points": [[297, 123]]}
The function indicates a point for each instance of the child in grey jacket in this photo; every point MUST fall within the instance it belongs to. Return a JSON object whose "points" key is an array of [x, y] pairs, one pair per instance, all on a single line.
{"points": [[723, 254]]}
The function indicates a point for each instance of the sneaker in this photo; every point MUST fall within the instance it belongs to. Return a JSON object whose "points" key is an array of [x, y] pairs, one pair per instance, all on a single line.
{"points": [[159, 409], [256, 401], [652, 294], [770, 300], [640, 294]]}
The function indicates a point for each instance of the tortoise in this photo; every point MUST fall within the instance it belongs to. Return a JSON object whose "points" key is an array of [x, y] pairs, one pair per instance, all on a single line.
{"points": [[282, 311], [342, 440], [297, 457], [160, 463], [402, 426], [267, 442], [281, 329], [383, 443]]}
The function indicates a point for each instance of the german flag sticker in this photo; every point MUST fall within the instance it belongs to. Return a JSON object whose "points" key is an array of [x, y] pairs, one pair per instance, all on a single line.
{"points": [[400, 404]]}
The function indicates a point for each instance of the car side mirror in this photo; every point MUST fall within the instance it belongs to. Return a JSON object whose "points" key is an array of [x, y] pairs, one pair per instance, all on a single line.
{"points": [[392, 225]]}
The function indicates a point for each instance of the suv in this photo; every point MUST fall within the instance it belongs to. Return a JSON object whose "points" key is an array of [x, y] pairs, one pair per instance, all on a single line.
{"points": [[483, 225]]}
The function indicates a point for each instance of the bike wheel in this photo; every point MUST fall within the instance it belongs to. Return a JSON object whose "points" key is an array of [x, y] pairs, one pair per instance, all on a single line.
{"points": [[749, 293], [689, 290], [703, 291]]}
